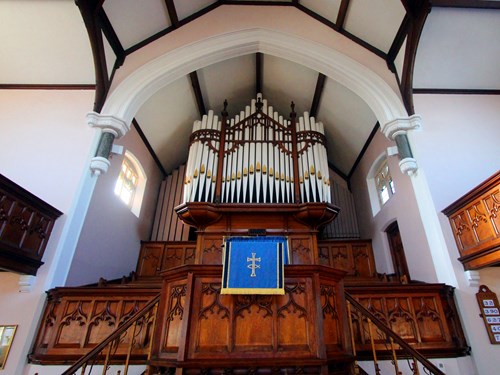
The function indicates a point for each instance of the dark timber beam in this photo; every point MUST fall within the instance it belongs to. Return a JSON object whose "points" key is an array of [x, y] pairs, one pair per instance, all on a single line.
{"points": [[344, 5], [320, 84], [398, 41], [417, 10], [483, 4], [172, 13], [363, 150], [259, 60], [112, 38], [197, 93], [148, 146], [89, 10]]}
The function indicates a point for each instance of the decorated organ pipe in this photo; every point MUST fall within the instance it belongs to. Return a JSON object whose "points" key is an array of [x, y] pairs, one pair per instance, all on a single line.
{"points": [[257, 156]]}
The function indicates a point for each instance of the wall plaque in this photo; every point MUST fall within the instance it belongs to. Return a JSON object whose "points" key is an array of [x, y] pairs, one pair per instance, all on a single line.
{"points": [[490, 312]]}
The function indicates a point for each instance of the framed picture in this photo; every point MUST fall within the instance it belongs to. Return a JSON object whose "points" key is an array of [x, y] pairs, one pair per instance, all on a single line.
{"points": [[7, 333]]}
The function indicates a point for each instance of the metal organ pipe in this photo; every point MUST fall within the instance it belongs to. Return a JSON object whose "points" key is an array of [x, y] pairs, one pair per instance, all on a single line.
{"points": [[258, 162]]}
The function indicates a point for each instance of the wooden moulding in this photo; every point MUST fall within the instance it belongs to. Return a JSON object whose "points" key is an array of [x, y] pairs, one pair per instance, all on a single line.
{"points": [[475, 222], [201, 329], [202, 214], [25, 226]]}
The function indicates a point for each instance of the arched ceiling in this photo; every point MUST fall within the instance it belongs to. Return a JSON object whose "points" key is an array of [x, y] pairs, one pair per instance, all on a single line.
{"points": [[46, 44]]}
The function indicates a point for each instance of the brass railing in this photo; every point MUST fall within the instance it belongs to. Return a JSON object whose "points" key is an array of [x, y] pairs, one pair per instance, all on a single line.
{"points": [[104, 352], [397, 348]]}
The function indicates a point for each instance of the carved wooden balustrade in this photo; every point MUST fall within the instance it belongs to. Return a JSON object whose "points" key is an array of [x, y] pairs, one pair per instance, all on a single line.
{"points": [[423, 315], [75, 320], [475, 221]]}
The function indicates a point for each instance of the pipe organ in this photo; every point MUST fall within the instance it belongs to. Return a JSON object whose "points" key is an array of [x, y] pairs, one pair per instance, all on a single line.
{"points": [[257, 157]]}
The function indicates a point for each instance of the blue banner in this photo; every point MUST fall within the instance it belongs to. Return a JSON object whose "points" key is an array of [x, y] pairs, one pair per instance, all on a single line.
{"points": [[254, 265]]}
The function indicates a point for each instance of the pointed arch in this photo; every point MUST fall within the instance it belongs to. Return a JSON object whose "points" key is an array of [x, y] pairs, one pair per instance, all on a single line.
{"points": [[140, 85]]}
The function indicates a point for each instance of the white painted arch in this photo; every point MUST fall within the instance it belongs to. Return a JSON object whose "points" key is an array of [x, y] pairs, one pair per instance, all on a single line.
{"points": [[145, 81]]}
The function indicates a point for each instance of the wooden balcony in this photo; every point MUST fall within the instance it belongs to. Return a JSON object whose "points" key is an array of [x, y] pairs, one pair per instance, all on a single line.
{"points": [[475, 222]]}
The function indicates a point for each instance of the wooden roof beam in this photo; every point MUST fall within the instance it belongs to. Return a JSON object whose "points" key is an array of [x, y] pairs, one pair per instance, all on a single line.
{"points": [[259, 67], [197, 93], [344, 5], [320, 84], [89, 10], [172, 13], [477, 4]]}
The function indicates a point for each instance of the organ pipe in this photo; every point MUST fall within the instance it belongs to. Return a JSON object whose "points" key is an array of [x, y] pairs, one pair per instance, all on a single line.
{"points": [[257, 156]]}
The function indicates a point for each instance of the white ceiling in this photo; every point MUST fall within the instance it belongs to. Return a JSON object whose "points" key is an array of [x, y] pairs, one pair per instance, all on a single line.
{"points": [[45, 42]]}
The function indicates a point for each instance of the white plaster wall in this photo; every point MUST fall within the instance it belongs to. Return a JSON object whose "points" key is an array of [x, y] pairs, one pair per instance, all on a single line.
{"points": [[45, 141], [109, 243], [44, 147], [401, 207], [459, 135], [458, 149]]}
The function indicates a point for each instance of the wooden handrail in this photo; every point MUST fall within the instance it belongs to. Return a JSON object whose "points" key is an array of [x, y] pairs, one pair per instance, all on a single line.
{"points": [[382, 327], [113, 336]]}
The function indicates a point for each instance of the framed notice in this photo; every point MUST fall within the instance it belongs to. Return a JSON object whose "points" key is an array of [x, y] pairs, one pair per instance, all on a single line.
{"points": [[490, 312]]}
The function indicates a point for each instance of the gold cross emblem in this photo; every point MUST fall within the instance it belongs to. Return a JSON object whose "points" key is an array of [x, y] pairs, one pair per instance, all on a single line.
{"points": [[253, 266]]}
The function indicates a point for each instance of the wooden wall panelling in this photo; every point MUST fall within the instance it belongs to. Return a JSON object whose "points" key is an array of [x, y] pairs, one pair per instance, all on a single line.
{"points": [[150, 259], [224, 331], [475, 224], [210, 248], [302, 250]]}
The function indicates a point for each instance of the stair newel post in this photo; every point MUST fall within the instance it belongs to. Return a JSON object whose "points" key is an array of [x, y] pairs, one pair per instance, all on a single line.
{"points": [[295, 154], [220, 161]]}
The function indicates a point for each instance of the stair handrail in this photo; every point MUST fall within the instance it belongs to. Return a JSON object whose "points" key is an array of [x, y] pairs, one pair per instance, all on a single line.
{"points": [[389, 332], [112, 336]]}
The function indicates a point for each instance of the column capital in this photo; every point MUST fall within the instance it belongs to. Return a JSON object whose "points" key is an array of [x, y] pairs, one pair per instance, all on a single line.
{"points": [[401, 126], [108, 124]]}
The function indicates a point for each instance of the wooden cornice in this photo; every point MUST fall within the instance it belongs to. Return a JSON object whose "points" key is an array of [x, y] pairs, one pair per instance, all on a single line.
{"points": [[44, 86], [320, 85], [456, 91], [478, 4]]}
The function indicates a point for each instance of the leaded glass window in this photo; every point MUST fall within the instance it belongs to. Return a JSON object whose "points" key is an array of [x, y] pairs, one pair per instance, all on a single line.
{"points": [[126, 185], [384, 183]]}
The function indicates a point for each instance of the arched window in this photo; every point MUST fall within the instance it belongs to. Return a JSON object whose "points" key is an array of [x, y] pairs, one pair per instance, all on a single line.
{"points": [[131, 183], [384, 183], [380, 184]]}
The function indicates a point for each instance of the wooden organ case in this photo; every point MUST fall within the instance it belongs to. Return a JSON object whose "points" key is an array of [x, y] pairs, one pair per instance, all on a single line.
{"points": [[255, 174]]}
